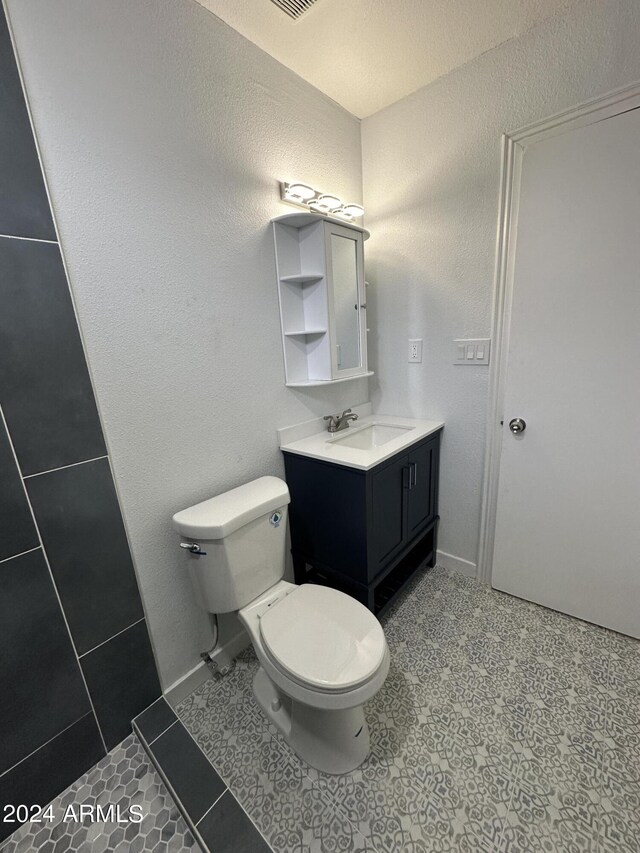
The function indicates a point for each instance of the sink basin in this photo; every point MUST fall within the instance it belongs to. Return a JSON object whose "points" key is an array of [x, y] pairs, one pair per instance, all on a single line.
{"points": [[365, 444], [374, 435]]}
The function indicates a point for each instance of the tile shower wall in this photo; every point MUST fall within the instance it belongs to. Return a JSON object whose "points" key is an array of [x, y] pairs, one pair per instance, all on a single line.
{"points": [[76, 663]]}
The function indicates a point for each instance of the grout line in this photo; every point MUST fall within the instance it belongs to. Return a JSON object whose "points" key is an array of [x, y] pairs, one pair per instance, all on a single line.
{"points": [[606, 728], [108, 640], [336, 807], [30, 239], [42, 745], [193, 738], [257, 828], [21, 554], [64, 467], [83, 342], [125, 524], [212, 805], [227, 788], [515, 778], [53, 582], [177, 720], [164, 777]]}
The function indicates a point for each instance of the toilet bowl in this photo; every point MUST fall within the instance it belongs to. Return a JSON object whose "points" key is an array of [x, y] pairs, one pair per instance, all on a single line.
{"points": [[322, 654]]}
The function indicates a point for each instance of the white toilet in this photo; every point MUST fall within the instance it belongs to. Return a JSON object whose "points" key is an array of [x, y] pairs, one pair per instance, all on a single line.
{"points": [[322, 654]]}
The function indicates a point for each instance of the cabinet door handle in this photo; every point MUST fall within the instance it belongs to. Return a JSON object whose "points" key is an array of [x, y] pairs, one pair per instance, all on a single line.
{"points": [[413, 476], [406, 477]]}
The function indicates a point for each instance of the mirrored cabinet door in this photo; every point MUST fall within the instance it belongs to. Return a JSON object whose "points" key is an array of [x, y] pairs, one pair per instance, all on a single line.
{"points": [[345, 291]]}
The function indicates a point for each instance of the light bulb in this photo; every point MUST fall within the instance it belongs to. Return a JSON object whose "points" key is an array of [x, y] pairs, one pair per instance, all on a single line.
{"points": [[329, 202], [300, 192], [352, 210]]}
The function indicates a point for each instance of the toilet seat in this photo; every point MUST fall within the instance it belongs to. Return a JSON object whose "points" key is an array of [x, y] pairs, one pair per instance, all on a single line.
{"points": [[323, 639]]}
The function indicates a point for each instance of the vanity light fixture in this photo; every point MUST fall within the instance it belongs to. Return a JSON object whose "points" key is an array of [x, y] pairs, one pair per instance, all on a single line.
{"points": [[325, 203], [299, 193], [351, 210], [302, 195]]}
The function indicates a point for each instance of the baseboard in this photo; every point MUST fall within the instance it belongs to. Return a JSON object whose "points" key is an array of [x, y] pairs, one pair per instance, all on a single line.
{"points": [[190, 681], [456, 564], [196, 677]]}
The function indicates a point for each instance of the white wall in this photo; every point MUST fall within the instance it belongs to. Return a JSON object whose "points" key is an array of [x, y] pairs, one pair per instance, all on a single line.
{"points": [[163, 134], [431, 178]]}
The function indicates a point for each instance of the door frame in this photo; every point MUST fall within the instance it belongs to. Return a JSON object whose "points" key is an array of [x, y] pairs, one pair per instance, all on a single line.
{"points": [[514, 145]]}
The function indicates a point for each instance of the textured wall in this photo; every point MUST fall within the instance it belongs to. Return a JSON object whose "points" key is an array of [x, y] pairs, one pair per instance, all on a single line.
{"points": [[163, 134], [431, 177]]}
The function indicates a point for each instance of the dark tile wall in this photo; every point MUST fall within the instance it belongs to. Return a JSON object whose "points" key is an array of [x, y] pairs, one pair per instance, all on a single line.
{"points": [[76, 663]]}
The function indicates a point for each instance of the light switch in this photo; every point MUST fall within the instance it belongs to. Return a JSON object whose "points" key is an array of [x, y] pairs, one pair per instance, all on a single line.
{"points": [[472, 351]]}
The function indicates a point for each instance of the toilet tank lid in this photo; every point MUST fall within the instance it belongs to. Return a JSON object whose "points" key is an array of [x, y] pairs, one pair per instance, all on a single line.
{"points": [[220, 516]]}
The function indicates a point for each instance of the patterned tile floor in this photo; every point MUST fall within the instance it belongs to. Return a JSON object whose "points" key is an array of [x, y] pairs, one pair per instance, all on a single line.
{"points": [[123, 778], [503, 727]]}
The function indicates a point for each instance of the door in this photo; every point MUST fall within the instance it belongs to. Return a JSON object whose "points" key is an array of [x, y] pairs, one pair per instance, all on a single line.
{"points": [[421, 492], [568, 511], [345, 280], [388, 513]]}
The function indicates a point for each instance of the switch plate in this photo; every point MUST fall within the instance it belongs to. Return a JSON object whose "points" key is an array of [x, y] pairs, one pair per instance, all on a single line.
{"points": [[415, 350], [471, 351]]}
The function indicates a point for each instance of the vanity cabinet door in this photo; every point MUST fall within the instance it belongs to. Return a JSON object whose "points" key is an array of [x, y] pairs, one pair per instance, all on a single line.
{"points": [[422, 490], [388, 511]]}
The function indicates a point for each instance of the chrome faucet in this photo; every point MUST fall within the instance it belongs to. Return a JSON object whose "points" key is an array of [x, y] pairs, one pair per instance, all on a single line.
{"points": [[338, 422]]}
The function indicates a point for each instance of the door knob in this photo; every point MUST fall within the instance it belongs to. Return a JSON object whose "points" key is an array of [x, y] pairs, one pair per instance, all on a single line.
{"points": [[517, 426]]}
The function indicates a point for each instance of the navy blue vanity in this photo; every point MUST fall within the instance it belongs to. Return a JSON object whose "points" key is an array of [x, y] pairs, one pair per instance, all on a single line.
{"points": [[365, 531]]}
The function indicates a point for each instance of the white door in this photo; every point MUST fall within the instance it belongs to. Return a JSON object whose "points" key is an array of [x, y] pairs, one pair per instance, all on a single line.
{"points": [[568, 513]]}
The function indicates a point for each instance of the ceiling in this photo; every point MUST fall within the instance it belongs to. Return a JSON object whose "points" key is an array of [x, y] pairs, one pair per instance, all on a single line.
{"points": [[366, 54]]}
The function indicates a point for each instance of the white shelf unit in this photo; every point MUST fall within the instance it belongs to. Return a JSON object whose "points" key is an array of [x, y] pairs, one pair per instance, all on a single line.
{"points": [[303, 292], [301, 279], [317, 382]]}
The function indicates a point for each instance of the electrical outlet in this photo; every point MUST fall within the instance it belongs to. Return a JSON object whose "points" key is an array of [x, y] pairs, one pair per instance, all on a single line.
{"points": [[415, 350]]}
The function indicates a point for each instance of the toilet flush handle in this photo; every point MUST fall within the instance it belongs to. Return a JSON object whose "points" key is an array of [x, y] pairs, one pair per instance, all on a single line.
{"points": [[193, 548]]}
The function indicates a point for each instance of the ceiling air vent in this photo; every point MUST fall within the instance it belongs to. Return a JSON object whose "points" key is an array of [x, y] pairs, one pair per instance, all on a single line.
{"points": [[294, 8]]}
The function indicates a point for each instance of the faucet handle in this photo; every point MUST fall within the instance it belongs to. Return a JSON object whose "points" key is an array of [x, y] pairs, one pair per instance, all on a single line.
{"points": [[346, 412], [333, 422]]}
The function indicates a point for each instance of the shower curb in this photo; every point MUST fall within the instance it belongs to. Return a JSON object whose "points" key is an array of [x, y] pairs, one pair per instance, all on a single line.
{"points": [[208, 796]]}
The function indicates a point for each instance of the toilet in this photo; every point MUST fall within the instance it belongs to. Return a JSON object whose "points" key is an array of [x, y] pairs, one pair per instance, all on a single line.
{"points": [[322, 654]]}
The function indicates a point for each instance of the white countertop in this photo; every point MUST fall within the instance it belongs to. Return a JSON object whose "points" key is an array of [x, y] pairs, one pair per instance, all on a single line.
{"points": [[328, 447]]}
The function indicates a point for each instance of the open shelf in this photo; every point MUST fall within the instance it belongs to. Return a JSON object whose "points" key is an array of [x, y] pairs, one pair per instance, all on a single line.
{"points": [[302, 218], [419, 557], [304, 332], [301, 279], [312, 356], [311, 382], [381, 593]]}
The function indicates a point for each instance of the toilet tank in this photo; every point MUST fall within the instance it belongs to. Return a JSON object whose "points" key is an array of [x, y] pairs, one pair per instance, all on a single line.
{"points": [[242, 539]]}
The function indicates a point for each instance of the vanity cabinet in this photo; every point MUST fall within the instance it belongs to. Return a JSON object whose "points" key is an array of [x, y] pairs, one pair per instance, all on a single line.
{"points": [[321, 291], [365, 532]]}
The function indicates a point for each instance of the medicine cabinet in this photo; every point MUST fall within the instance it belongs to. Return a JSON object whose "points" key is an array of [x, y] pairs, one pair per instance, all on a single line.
{"points": [[320, 269]]}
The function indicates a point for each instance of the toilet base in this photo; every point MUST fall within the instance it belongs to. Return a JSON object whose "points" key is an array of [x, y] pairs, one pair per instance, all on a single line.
{"points": [[333, 741]]}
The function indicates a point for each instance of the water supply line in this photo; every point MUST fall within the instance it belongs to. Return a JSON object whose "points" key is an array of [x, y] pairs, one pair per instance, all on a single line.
{"points": [[212, 664], [216, 670]]}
